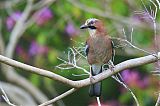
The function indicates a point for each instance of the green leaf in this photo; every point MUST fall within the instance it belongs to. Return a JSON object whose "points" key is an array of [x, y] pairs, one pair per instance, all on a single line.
{"points": [[41, 39], [52, 56], [35, 79], [118, 6]]}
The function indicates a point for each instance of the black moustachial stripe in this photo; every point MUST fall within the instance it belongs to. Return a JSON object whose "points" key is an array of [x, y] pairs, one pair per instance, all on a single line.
{"points": [[92, 27]]}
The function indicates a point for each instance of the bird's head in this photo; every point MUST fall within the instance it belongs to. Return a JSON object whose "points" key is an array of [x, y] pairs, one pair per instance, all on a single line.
{"points": [[93, 25]]}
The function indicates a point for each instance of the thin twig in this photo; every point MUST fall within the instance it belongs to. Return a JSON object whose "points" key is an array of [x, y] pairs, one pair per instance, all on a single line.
{"points": [[121, 82], [158, 3], [42, 3], [158, 101], [18, 30], [79, 53], [5, 97], [156, 72], [80, 75], [17, 94], [131, 36], [2, 46], [98, 101], [72, 61], [15, 35], [128, 43], [58, 97], [104, 14]]}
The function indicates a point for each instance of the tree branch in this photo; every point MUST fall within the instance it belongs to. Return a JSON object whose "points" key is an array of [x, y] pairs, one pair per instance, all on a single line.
{"points": [[158, 100], [43, 3], [81, 83], [108, 14], [18, 30], [59, 97], [15, 94], [1, 39]]}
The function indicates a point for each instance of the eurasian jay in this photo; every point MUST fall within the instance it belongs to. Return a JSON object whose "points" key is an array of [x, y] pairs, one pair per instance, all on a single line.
{"points": [[99, 51]]}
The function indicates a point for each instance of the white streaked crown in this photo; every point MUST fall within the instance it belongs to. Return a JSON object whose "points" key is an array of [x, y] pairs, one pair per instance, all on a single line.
{"points": [[91, 31], [89, 20]]}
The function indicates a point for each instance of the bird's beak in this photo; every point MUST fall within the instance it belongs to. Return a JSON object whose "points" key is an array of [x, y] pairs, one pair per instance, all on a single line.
{"points": [[84, 26]]}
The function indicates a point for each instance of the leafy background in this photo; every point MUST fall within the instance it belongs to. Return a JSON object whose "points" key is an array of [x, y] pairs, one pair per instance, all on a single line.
{"points": [[57, 28]]}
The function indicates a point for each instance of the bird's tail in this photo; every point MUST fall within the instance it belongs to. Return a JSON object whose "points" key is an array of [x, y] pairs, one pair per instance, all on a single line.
{"points": [[95, 89]]}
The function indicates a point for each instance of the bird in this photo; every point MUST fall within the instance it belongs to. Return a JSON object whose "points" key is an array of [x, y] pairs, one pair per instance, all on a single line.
{"points": [[99, 51]]}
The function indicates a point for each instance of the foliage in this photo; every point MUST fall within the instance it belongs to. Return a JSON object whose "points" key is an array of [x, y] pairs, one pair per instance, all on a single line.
{"points": [[57, 28]]}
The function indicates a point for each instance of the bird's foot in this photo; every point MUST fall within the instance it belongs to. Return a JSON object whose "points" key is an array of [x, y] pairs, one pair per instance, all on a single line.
{"points": [[111, 66], [91, 78]]}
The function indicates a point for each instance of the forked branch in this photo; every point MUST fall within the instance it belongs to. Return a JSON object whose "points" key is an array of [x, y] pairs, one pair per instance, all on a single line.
{"points": [[81, 83]]}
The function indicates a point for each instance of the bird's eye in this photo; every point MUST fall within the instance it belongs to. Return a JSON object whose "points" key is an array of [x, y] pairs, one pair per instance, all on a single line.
{"points": [[91, 22]]}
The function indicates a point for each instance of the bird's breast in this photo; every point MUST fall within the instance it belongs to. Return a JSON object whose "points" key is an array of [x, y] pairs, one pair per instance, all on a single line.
{"points": [[101, 50]]}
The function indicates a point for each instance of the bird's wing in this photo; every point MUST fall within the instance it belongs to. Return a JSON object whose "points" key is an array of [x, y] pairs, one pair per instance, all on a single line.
{"points": [[86, 50], [113, 51]]}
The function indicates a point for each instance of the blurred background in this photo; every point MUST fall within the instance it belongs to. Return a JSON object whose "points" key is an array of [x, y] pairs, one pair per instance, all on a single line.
{"points": [[36, 32]]}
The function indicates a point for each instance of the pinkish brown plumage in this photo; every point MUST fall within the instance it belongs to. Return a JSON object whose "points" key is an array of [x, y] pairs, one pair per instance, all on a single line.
{"points": [[99, 50]]}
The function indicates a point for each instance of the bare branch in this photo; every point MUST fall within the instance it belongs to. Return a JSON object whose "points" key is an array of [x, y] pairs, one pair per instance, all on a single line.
{"points": [[108, 14], [72, 61], [39, 5], [1, 39], [58, 97], [6, 98], [158, 100], [80, 53], [128, 43], [81, 83], [42, 3], [156, 72], [18, 30], [17, 95], [78, 75], [123, 84], [152, 14], [98, 101], [20, 27], [158, 3]]}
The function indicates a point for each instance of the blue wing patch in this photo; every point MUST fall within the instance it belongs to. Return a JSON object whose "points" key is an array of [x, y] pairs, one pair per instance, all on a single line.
{"points": [[113, 51], [86, 50]]}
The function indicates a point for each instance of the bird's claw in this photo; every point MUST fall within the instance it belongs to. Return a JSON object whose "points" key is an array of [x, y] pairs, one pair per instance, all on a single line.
{"points": [[155, 55], [112, 68], [91, 78]]}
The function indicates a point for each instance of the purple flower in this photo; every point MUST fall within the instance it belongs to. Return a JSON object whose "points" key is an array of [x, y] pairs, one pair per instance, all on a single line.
{"points": [[11, 20], [134, 79], [144, 83], [70, 29], [35, 49], [130, 76], [22, 53], [43, 16], [142, 17], [19, 50]]}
